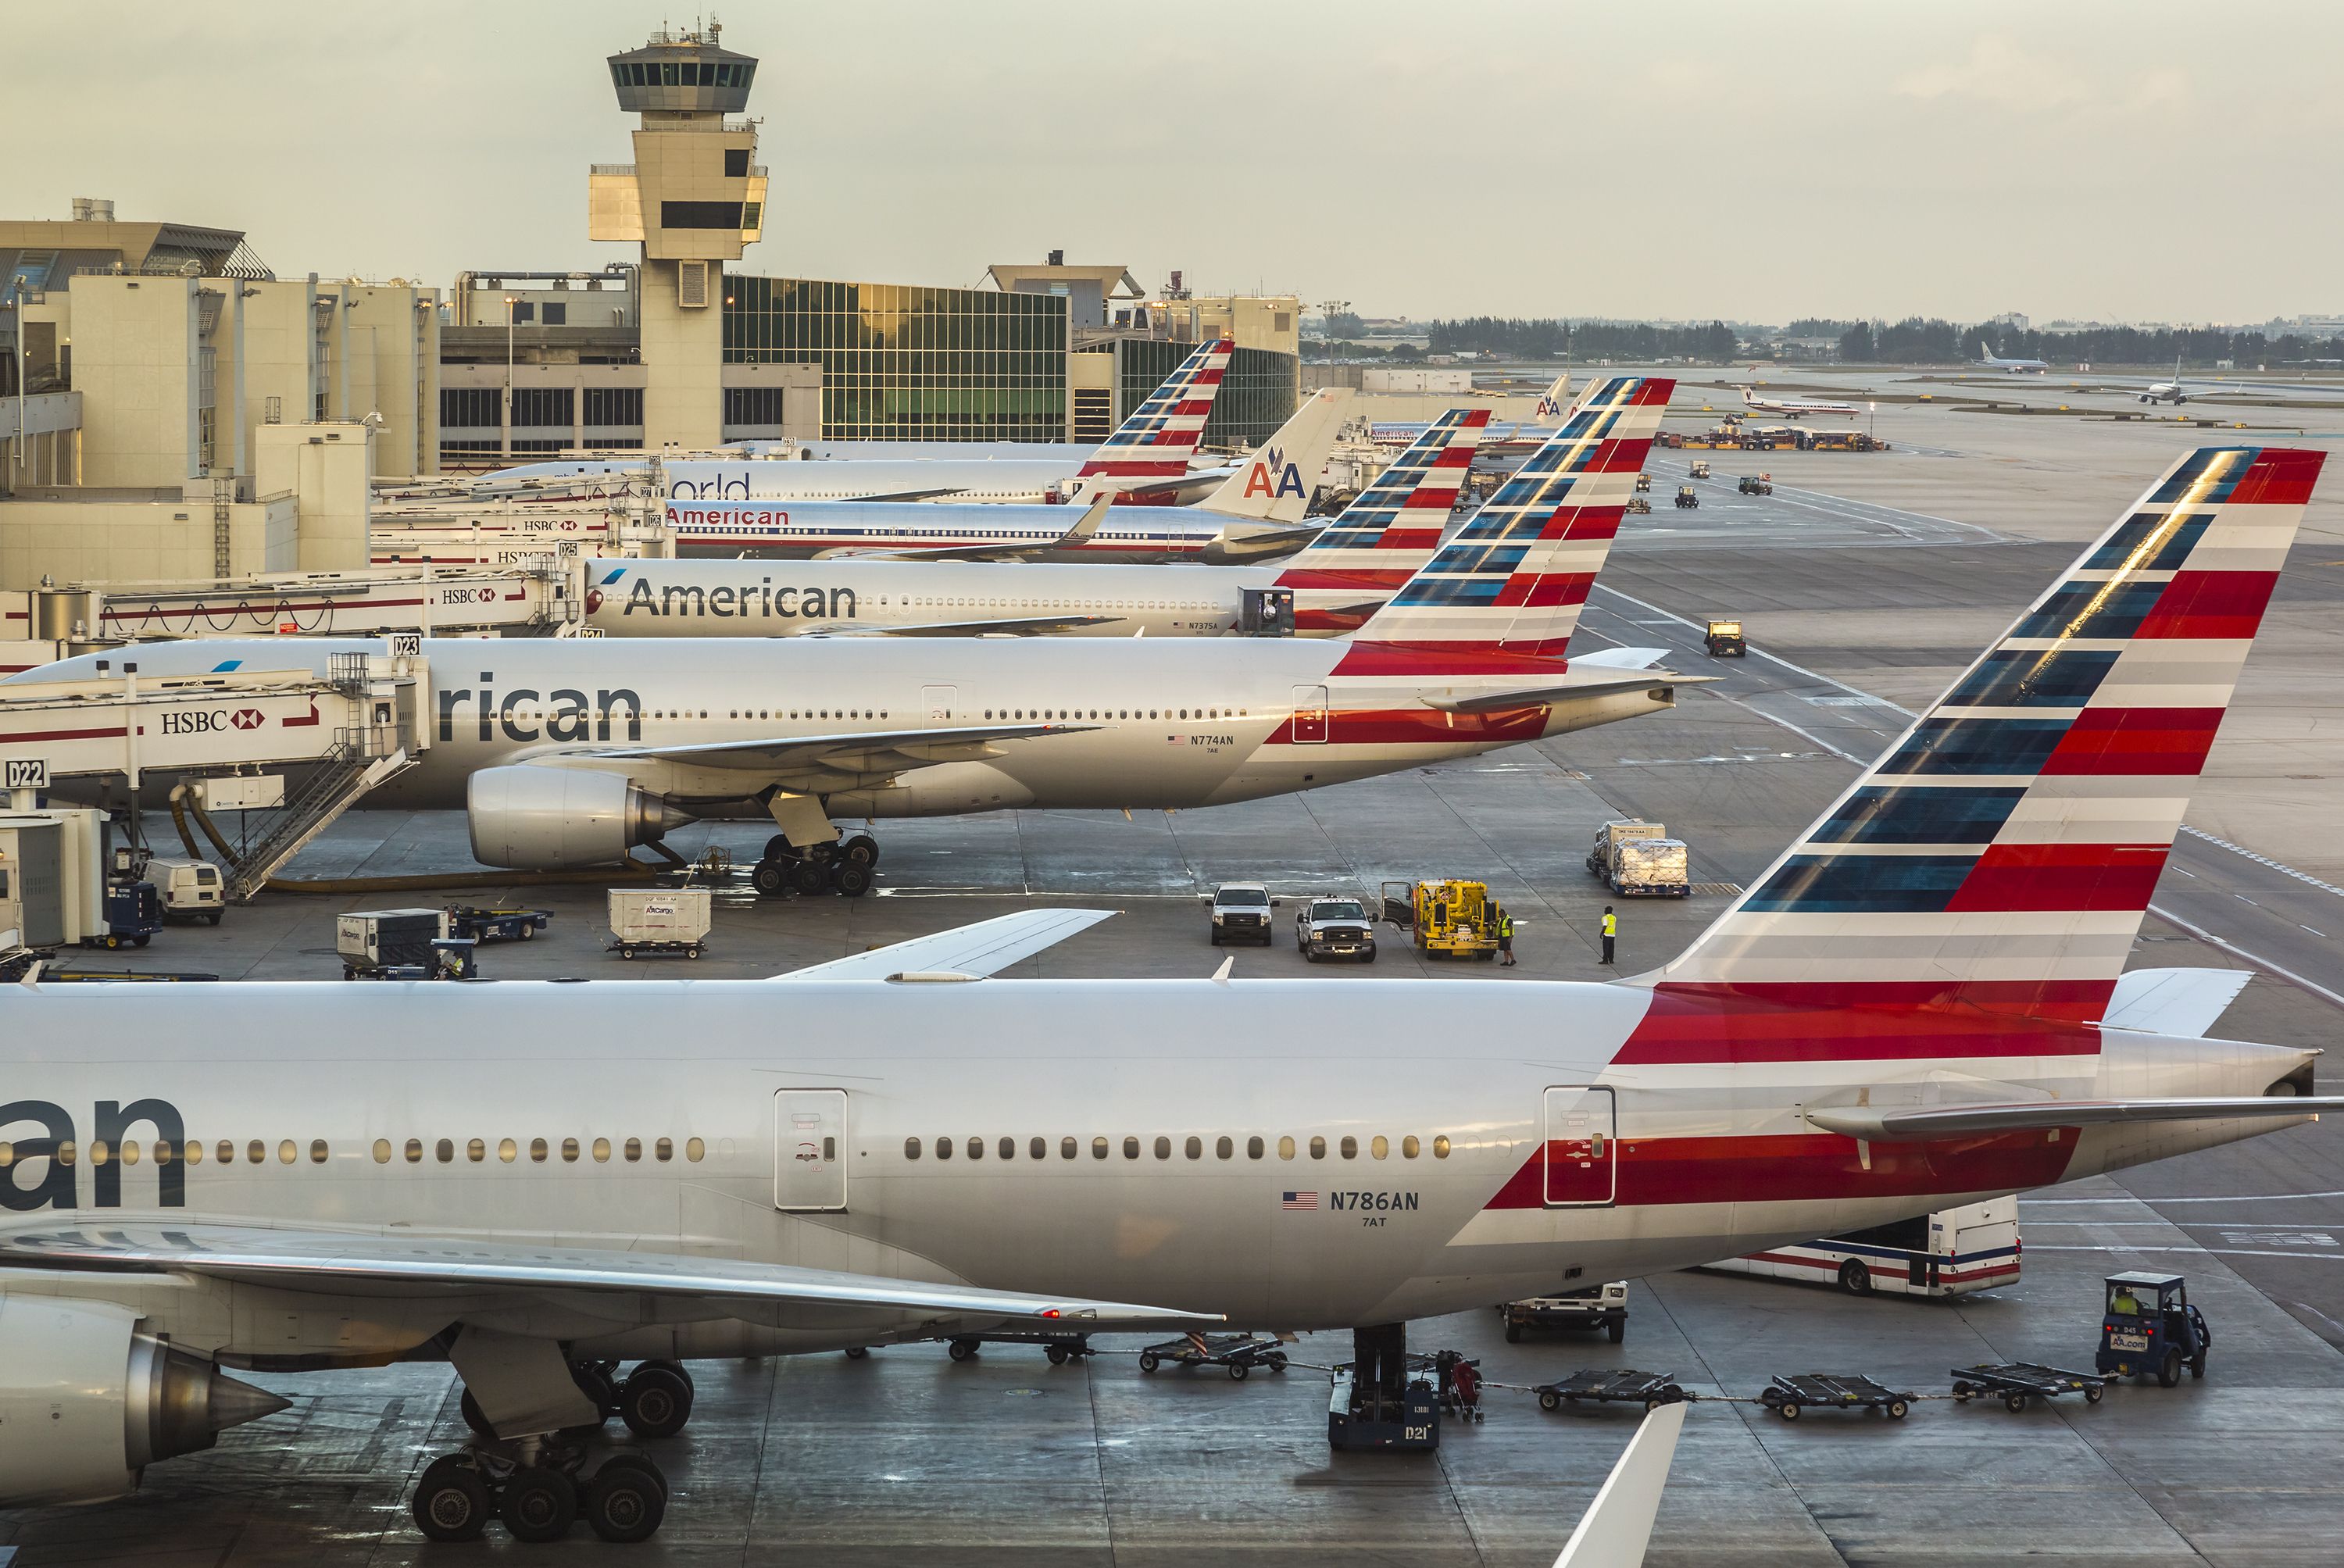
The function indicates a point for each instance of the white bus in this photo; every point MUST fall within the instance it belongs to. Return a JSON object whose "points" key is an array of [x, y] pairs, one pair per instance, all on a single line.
{"points": [[1949, 1253]]}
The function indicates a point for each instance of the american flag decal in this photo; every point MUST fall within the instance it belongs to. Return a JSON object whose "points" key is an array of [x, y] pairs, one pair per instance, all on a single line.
{"points": [[1300, 1201]]}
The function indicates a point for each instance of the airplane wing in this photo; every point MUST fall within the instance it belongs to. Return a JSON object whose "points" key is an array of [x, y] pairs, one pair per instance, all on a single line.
{"points": [[365, 1262], [2186, 1002], [987, 947], [938, 493], [880, 751], [1924, 1122], [1008, 626], [1079, 533], [1621, 658], [1626, 680]]}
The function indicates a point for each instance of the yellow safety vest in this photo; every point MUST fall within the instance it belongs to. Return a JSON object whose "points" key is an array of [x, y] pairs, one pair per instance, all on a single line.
{"points": [[1611, 925]]}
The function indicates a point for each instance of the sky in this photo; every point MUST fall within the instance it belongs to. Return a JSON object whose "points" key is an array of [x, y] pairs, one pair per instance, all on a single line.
{"points": [[2138, 161]]}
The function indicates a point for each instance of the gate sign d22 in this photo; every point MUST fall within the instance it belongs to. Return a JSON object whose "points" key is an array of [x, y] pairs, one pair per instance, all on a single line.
{"points": [[24, 773]]}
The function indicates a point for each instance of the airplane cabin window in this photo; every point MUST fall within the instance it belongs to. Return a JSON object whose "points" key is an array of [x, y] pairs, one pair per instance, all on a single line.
{"points": [[65, 1155], [506, 1150], [975, 1148], [254, 1152], [634, 1149], [129, 1151], [1099, 1149], [665, 1149], [1224, 1149], [1194, 1148], [1318, 1148], [1350, 1147], [1441, 1147], [1286, 1148], [694, 1150], [601, 1151], [318, 1151], [1163, 1147], [97, 1151], [537, 1152], [446, 1151], [943, 1148], [911, 1149], [414, 1151], [1409, 1147], [1065, 1148], [192, 1151], [1037, 1148], [162, 1151], [381, 1151], [1253, 1147], [1131, 1149], [1379, 1146], [476, 1151]]}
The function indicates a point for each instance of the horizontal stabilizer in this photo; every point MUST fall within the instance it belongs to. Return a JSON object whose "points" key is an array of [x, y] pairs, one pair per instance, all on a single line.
{"points": [[1620, 659], [1076, 535], [987, 947], [2181, 1002], [365, 1263], [936, 494], [1565, 691], [1984, 1120]]}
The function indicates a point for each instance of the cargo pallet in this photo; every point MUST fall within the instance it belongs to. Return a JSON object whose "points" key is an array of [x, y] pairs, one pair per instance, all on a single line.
{"points": [[1602, 1385], [1239, 1352], [1786, 1396]]}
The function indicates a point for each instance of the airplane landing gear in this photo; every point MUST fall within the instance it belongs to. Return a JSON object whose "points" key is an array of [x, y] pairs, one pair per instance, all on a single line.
{"points": [[843, 867], [535, 1492]]}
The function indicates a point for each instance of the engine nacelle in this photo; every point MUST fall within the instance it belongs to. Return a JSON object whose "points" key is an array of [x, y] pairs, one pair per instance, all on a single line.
{"points": [[86, 1401], [555, 819]]}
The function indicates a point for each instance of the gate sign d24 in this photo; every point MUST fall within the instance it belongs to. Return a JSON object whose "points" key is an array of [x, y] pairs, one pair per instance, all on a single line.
{"points": [[24, 773]]}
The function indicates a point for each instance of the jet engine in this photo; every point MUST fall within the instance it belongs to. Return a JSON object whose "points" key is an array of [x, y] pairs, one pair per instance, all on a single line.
{"points": [[86, 1401], [552, 819]]}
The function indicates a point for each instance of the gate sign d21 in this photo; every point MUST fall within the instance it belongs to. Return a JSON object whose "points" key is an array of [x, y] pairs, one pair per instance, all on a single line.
{"points": [[24, 773]]}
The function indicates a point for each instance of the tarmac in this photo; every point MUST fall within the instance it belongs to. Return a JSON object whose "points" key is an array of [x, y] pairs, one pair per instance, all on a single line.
{"points": [[1865, 582]]}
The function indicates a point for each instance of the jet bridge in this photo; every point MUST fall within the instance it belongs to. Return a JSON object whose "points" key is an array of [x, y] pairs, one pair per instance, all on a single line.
{"points": [[340, 736]]}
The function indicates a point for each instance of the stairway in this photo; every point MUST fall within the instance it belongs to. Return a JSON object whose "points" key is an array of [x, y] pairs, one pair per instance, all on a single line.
{"points": [[345, 779]]}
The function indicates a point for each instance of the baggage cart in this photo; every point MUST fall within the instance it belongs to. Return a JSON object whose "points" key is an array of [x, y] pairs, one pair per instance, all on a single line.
{"points": [[372, 941], [668, 921], [1061, 1348], [1240, 1353], [496, 925], [1787, 1396], [2017, 1381], [1605, 1385]]}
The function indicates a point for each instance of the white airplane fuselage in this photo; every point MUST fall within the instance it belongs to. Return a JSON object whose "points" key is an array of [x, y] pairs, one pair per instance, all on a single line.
{"points": [[1332, 1176], [1126, 534], [1150, 724], [706, 598]]}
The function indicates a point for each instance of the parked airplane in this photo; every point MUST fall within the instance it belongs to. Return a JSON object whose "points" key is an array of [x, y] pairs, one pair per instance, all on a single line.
{"points": [[2171, 391], [1501, 440], [568, 751], [534, 1179], [1148, 461], [1793, 407], [1355, 563], [1255, 510], [1988, 360]]}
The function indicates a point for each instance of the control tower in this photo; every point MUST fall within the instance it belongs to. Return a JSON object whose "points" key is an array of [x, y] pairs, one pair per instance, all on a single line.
{"points": [[693, 200]]}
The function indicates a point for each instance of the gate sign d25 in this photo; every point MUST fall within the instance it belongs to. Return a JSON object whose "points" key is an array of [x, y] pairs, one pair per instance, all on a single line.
{"points": [[24, 773]]}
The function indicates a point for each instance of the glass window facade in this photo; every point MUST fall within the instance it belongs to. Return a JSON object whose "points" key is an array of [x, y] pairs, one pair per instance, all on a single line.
{"points": [[1259, 392], [901, 362]]}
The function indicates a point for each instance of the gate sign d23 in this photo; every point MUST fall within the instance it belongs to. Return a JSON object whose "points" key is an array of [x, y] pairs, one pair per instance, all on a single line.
{"points": [[24, 773]]}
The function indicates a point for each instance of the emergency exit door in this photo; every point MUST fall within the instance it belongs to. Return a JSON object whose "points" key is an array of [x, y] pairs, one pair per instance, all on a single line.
{"points": [[941, 702], [810, 1150], [1309, 715], [1582, 1151]]}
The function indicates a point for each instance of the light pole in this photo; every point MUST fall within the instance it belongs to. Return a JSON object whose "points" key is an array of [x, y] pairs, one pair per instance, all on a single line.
{"points": [[508, 431]]}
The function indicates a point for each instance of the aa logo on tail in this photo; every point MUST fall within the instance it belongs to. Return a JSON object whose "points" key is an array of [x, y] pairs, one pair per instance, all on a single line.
{"points": [[1273, 476]]}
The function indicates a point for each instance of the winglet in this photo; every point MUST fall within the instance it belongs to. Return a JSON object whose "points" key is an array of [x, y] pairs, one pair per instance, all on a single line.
{"points": [[1618, 1526]]}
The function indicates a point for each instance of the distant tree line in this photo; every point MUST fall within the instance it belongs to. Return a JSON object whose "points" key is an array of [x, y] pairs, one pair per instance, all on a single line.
{"points": [[1547, 339]]}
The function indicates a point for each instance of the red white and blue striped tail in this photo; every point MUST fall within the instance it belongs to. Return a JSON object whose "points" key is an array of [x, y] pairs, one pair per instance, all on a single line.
{"points": [[1516, 575], [1998, 859], [1156, 439], [1391, 530]]}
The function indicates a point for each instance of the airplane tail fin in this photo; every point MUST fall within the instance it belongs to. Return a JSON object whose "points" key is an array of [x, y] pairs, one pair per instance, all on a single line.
{"points": [[1156, 439], [1514, 577], [1392, 529], [1997, 862], [1555, 400], [1276, 480]]}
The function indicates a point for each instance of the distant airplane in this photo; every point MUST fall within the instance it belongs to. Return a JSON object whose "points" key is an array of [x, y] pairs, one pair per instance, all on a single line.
{"points": [[1502, 441], [1989, 361], [2170, 392], [1791, 406]]}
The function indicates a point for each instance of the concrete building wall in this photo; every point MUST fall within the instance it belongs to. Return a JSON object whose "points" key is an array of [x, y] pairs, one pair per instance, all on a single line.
{"points": [[136, 365], [280, 354], [141, 537], [684, 361], [325, 468]]}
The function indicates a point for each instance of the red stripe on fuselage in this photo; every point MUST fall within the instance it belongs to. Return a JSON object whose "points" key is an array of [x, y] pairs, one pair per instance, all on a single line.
{"points": [[2227, 605], [1424, 726], [1410, 660], [1855, 1021], [2135, 741], [1792, 1168], [2033, 876]]}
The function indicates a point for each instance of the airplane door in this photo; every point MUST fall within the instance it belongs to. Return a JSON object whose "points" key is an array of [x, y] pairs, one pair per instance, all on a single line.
{"points": [[941, 703], [810, 1150], [1309, 715], [1582, 1151]]}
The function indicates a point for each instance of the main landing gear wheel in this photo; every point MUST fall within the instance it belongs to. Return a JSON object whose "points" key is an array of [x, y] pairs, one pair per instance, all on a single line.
{"points": [[963, 1349], [539, 1505], [860, 849], [470, 1409], [852, 881], [806, 875], [656, 1401], [778, 847], [771, 877], [626, 1500], [451, 1501]]}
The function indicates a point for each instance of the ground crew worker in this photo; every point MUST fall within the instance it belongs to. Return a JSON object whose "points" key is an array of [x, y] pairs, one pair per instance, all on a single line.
{"points": [[1505, 940], [1610, 932]]}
